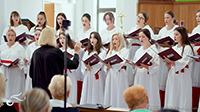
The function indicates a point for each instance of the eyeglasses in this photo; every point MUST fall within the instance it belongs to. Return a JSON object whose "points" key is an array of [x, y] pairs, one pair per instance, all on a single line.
{"points": [[140, 17]]}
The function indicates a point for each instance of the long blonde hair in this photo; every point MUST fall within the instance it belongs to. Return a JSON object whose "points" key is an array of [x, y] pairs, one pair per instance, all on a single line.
{"points": [[121, 39], [36, 100], [2, 87], [47, 37]]}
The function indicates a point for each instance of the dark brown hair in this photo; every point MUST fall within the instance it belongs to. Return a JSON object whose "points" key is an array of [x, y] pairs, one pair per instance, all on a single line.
{"points": [[69, 40], [87, 16], [98, 45], [111, 16], [198, 11], [171, 13], [14, 13], [146, 16], [185, 40], [60, 14], [147, 33], [45, 23]]}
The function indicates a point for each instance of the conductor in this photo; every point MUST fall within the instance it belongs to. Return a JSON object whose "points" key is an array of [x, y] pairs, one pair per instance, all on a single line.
{"points": [[49, 60]]}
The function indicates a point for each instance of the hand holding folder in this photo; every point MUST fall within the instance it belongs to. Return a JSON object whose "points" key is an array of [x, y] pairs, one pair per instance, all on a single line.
{"points": [[9, 63], [196, 58], [165, 40], [170, 54], [133, 34], [92, 60], [195, 38], [85, 41]]}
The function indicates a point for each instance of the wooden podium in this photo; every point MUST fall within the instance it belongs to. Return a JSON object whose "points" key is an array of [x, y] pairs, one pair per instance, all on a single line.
{"points": [[27, 23]]}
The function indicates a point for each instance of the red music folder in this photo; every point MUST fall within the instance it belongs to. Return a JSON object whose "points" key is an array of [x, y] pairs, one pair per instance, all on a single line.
{"points": [[113, 60], [171, 54], [85, 41], [107, 44], [20, 38], [9, 63], [144, 59], [94, 59], [167, 39], [69, 55], [195, 37], [197, 57], [135, 33], [94, 106]]}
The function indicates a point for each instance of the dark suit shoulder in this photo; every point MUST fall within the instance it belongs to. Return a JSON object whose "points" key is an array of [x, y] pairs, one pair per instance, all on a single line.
{"points": [[69, 109]]}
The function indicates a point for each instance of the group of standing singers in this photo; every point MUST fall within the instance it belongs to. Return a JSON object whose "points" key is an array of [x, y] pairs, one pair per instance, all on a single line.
{"points": [[172, 84]]}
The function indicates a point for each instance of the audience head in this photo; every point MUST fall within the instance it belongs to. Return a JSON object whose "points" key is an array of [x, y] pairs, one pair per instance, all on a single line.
{"points": [[144, 36], [198, 17], [48, 37], [11, 35], [15, 18], [59, 18], [56, 87], [136, 96], [109, 18], [169, 18], [2, 87], [94, 42], [35, 100], [142, 18], [86, 19], [41, 20]]}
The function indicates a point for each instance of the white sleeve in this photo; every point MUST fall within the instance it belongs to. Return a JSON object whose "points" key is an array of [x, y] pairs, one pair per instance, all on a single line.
{"points": [[21, 57], [181, 63]]}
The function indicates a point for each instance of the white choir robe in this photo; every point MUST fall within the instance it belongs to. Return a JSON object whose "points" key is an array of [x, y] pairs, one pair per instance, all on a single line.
{"points": [[148, 78], [93, 89], [15, 76], [134, 45], [106, 35], [178, 93], [68, 31], [82, 35], [28, 54], [18, 30], [163, 70], [73, 76], [116, 81], [194, 66]]}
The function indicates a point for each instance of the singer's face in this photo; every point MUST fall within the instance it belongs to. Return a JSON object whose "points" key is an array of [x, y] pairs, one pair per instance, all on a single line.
{"points": [[62, 39], [85, 21], [108, 20], [168, 19], [177, 37], [140, 19], [15, 18], [60, 19], [37, 35], [40, 20], [143, 38], [93, 40], [116, 41], [198, 17], [11, 37]]}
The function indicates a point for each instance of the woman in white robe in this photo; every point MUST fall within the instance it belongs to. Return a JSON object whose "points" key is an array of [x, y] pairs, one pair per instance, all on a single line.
{"points": [[86, 30], [74, 72], [116, 79], [134, 43], [17, 26], [168, 30], [194, 68], [28, 55], [94, 76], [106, 34], [59, 18], [14, 74], [178, 93], [42, 23], [146, 75]]}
